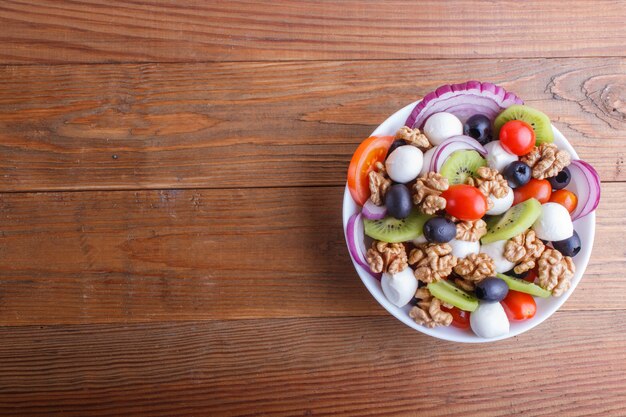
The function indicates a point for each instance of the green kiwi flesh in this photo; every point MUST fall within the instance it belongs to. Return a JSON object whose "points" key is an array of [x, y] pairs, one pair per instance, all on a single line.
{"points": [[394, 230], [520, 285], [451, 294], [513, 222], [461, 165]]}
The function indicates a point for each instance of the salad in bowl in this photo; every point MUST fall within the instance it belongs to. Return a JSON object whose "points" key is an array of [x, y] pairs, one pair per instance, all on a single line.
{"points": [[468, 216]]}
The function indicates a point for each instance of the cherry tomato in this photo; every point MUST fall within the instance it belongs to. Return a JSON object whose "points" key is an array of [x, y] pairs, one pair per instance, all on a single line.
{"points": [[460, 318], [370, 151], [465, 202], [517, 137], [565, 198], [532, 275], [539, 189], [519, 306]]}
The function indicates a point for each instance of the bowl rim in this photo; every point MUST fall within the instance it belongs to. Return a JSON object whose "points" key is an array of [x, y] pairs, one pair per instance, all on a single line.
{"points": [[585, 227]]}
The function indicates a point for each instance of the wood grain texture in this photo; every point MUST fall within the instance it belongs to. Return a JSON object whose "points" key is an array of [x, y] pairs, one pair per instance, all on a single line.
{"points": [[49, 31], [103, 257], [171, 184], [320, 367], [262, 124]]}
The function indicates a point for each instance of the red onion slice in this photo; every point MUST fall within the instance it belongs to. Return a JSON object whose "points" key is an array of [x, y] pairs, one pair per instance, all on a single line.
{"points": [[585, 183], [453, 144], [355, 235], [372, 211], [463, 100]]}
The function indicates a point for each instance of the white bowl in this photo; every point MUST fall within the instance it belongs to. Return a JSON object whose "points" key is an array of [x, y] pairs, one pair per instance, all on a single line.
{"points": [[585, 227]]}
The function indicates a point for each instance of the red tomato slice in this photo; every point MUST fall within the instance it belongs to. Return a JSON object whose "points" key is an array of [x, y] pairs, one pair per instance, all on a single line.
{"points": [[460, 318], [371, 150], [519, 306]]}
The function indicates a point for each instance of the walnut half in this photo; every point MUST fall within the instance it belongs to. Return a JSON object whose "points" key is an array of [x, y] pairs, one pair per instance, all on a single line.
{"points": [[428, 310], [433, 261], [471, 231], [386, 257], [546, 160], [475, 267], [524, 250], [427, 193], [414, 137], [379, 184], [489, 181], [555, 271]]}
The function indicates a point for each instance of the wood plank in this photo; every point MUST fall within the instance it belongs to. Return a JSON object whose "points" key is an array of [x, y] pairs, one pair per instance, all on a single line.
{"points": [[213, 254], [260, 124], [320, 367], [51, 31]]}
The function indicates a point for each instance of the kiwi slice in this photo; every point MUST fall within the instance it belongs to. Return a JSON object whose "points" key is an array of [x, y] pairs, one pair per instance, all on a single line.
{"points": [[460, 165], [538, 120], [520, 285], [491, 221], [394, 230], [451, 294], [513, 222]]}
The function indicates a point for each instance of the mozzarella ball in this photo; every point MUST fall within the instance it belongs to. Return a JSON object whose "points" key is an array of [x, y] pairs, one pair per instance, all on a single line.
{"points": [[489, 320], [462, 248], [497, 157], [399, 288], [428, 157], [441, 126], [500, 205], [495, 250], [404, 164], [554, 223], [419, 240]]}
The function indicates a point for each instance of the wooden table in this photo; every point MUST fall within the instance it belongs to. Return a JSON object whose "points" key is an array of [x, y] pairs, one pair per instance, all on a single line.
{"points": [[170, 207]]}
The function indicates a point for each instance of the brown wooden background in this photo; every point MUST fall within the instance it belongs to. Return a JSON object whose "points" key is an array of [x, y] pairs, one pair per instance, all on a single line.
{"points": [[171, 175]]}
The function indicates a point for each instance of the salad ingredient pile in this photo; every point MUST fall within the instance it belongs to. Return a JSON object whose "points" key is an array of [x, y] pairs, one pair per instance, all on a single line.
{"points": [[468, 211]]}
